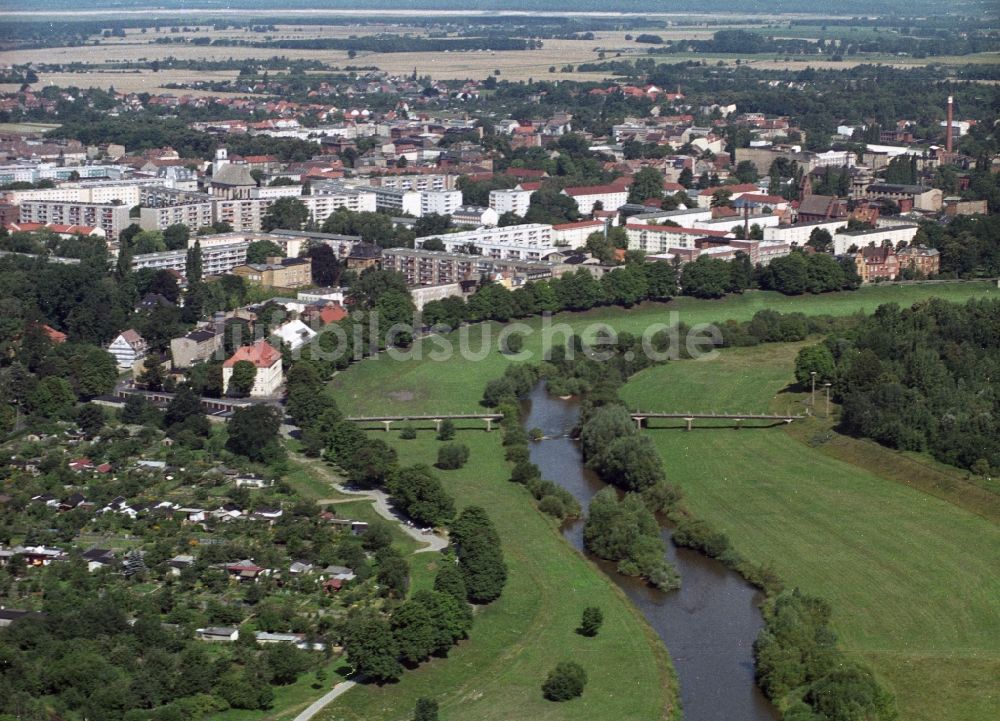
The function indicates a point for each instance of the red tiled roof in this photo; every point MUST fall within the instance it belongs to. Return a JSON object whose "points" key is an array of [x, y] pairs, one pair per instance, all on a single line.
{"points": [[579, 224], [262, 354], [594, 190], [332, 313]]}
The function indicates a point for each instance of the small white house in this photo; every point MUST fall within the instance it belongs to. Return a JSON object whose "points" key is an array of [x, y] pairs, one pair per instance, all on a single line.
{"points": [[128, 348], [294, 333], [217, 634]]}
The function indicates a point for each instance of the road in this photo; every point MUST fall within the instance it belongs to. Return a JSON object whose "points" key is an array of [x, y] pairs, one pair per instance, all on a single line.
{"points": [[319, 704], [380, 501]]}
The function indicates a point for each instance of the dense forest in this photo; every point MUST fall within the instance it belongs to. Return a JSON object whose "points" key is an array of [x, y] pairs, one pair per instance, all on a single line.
{"points": [[920, 379]]}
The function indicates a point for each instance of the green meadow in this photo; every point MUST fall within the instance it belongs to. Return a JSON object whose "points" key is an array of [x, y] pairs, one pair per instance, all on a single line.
{"points": [[913, 579], [497, 673]]}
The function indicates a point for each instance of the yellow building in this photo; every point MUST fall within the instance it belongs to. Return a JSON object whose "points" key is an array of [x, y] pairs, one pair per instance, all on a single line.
{"points": [[277, 272]]}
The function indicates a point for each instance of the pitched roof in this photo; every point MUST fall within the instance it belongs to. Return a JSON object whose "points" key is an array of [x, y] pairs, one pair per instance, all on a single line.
{"points": [[233, 174], [594, 190], [262, 354]]}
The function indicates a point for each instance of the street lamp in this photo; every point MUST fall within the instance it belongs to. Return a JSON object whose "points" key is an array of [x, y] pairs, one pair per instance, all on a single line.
{"points": [[827, 385], [812, 376]]}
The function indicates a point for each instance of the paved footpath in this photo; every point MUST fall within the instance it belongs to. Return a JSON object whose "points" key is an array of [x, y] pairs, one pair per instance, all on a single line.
{"points": [[319, 704]]}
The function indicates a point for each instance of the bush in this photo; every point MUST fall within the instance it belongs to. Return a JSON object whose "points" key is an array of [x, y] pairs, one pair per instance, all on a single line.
{"points": [[552, 506], [452, 456], [566, 681], [408, 433], [524, 471]]}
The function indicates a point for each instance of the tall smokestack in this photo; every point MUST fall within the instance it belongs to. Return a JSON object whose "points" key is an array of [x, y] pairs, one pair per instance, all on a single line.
{"points": [[947, 140]]}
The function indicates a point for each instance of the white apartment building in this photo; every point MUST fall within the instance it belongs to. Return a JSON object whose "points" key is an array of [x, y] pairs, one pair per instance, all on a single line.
{"points": [[575, 235], [611, 197], [657, 239], [800, 232], [510, 201], [529, 241], [329, 196], [416, 181], [215, 260], [442, 202], [845, 239], [109, 217], [95, 191]]}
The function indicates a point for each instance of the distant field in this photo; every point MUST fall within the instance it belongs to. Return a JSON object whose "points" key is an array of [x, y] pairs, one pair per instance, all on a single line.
{"points": [[27, 127], [384, 385], [518, 639], [912, 579]]}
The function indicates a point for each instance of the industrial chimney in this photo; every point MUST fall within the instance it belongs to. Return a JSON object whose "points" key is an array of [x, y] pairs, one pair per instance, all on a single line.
{"points": [[947, 139]]}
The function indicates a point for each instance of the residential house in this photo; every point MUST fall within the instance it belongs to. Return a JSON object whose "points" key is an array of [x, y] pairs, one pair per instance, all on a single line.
{"points": [[266, 359], [610, 197], [294, 334], [98, 558], [217, 634], [128, 348], [877, 263], [921, 259]]}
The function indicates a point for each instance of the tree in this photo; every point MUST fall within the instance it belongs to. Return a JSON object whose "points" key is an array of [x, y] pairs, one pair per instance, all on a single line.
{"points": [[260, 250], [371, 648], [285, 213], [242, 380], [148, 241], [176, 236], [814, 359], [253, 433], [646, 183], [420, 495], [285, 662], [746, 172], [706, 277], [452, 456], [591, 621], [566, 681], [446, 431], [821, 240], [449, 580], [326, 268], [193, 263], [413, 631], [90, 419], [631, 462], [480, 556], [426, 710]]}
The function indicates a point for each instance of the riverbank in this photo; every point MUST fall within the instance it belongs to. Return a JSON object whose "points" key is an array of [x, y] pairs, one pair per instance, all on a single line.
{"points": [[516, 640], [909, 576]]}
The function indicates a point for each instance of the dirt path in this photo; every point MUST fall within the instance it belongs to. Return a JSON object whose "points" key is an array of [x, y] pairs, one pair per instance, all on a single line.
{"points": [[380, 501], [319, 704]]}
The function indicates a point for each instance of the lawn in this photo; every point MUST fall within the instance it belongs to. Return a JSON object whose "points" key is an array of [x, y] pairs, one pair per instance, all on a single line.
{"points": [[516, 640], [419, 386], [912, 579]]}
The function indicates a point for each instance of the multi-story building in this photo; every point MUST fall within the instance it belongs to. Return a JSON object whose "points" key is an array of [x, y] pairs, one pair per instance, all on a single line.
{"points": [[442, 202], [163, 207], [921, 259], [529, 241], [215, 259], [844, 240], [800, 233], [656, 239], [267, 382], [431, 267], [110, 217], [128, 348], [418, 181], [877, 263], [277, 272], [908, 197], [328, 196], [611, 197], [510, 201], [474, 215], [575, 235], [197, 346]]}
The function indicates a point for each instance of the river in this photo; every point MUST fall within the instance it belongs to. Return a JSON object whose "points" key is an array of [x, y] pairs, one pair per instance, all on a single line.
{"points": [[708, 625]]}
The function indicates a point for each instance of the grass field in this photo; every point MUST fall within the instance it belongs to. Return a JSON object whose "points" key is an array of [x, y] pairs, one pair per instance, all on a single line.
{"points": [[912, 579], [389, 386], [497, 674]]}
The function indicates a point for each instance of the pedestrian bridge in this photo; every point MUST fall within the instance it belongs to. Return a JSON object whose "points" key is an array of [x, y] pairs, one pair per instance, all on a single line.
{"points": [[436, 419], [642, 418]]}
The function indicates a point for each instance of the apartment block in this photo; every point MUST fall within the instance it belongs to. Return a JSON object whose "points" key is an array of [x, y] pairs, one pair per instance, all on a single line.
{"points": [[529, 241], [431, 267], [510, 201], [110, 217]]}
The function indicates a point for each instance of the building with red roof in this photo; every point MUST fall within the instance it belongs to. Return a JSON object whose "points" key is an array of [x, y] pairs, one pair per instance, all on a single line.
{"points": [[266, 359]]}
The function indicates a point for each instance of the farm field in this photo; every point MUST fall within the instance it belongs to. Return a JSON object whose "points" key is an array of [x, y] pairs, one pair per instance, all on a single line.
{"points": [[512, 644], [911, 578], [386, 386]]}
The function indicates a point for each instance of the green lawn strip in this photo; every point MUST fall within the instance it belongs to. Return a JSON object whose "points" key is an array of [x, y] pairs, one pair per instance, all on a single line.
{"points": [[419, 386], [911, 578], [516, 640]]}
